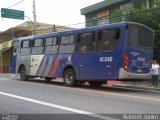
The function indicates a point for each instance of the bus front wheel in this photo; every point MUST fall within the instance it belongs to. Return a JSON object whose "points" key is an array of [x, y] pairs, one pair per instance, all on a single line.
{"points": [[23, 74], [69, 77]]}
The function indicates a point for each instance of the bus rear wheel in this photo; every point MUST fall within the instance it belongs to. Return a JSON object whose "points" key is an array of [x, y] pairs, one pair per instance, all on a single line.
{"points": [[23, 74], [69, 77], [95, 83]]}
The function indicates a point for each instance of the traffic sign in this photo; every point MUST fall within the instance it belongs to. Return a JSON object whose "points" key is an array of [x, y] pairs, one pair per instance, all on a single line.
{"points": [[10, 13]]}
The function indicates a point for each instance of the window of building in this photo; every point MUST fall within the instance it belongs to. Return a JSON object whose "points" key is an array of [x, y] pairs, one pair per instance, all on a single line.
{"points": [[103, 17], [104, 20]]}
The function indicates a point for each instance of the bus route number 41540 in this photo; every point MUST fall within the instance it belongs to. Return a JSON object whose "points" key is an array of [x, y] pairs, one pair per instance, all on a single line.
{"points": [[106, 59]]}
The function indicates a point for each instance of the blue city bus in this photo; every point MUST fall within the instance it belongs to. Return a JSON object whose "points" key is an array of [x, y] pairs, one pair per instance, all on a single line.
{"points": [[117, 51]]}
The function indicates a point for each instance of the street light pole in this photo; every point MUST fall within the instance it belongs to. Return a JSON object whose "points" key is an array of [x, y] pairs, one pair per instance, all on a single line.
{"points": [[34, 17], [32, 24]]}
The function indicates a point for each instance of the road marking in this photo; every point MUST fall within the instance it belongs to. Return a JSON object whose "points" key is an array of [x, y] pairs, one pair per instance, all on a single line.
{"points": [[58, 106]]}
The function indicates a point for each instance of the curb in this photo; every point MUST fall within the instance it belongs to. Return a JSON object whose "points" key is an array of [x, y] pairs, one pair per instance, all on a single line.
{"points": [[136, 87]]}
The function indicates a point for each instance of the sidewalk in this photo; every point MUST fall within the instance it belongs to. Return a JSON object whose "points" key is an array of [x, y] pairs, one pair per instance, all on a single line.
{"points": [[145, 85]]}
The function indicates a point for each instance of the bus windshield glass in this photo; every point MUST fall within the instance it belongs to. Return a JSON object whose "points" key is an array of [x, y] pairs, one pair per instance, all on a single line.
{"points": [[140, 37]]}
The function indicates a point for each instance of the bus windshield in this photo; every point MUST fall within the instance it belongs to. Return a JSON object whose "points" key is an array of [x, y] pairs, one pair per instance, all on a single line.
{"points": [[140, 36]]}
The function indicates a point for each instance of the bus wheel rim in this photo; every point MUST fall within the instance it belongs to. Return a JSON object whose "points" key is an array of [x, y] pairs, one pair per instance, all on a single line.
{"points": [[69, 78]]}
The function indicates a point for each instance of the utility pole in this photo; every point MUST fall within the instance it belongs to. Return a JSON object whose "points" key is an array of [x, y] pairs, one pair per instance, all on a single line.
{"points": [[34, 17], [31, 24]]}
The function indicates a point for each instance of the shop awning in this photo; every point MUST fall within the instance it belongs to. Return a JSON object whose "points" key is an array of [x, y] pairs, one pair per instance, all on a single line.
{"points": [[5, 46]]}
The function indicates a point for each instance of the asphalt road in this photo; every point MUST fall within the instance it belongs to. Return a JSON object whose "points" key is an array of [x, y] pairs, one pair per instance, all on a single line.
{"points": [[36, 99]]}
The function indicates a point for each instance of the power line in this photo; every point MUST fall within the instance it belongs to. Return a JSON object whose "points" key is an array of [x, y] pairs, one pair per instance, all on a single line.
{"points": [[114, 17], [16, 4]]}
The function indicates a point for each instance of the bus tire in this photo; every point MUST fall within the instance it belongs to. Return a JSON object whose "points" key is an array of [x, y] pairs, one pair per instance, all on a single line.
{"points": [[23, 74], [69, 77], [95, 83], [48, 79]]}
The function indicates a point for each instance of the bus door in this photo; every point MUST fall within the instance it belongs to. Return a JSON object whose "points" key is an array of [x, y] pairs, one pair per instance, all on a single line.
{"points": [[37, 55], [13, 56], [24, 57]]}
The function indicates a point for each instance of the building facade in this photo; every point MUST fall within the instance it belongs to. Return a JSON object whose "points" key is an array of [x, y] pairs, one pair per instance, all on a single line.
{"points": [[100, 13]]}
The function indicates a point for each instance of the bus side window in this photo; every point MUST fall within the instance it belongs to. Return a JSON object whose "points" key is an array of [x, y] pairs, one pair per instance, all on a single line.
{"points": [[51, 45], [67, 44], [37, 47], [107, 40], [25, 47], [85, 43]]}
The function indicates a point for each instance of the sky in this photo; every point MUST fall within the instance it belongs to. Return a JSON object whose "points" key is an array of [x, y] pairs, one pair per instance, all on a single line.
{"points": [[59, 12]]}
